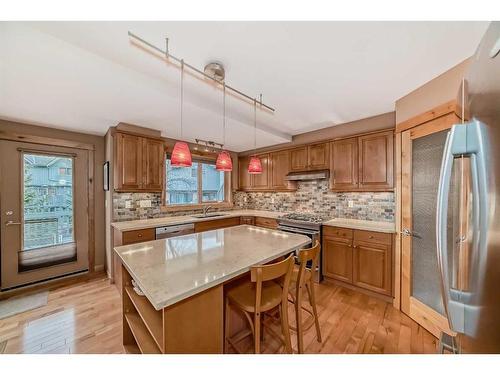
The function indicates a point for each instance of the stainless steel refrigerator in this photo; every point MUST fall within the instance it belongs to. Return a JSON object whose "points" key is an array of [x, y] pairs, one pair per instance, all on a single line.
{"points": [[468, 213]]}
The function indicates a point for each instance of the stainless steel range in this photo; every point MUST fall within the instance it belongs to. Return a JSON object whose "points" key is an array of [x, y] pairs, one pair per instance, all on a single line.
{"points": [[306, 224]]}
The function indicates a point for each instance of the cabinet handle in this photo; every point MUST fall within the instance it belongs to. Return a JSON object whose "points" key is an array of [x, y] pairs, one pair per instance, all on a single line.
{"points": [[370, 237], [139, 235], [349, 245]]}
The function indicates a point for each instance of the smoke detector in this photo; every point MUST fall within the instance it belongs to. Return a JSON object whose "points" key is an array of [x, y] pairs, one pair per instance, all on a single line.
{"points": [[215, 70]]}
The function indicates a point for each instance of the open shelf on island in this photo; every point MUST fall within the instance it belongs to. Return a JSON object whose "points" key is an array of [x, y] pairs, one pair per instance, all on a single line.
{"points": [[141, 334]]}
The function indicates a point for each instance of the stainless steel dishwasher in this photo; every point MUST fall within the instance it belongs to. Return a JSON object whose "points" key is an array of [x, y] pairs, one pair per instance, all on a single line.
{"points": [[174, 230]]}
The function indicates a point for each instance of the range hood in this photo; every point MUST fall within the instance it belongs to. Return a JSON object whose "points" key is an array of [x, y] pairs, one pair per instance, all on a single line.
{"points": [[307, 175]]}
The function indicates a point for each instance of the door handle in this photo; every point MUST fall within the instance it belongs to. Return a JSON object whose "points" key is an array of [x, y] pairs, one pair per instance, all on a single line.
{"points": [[10, 222], [408, 233]]}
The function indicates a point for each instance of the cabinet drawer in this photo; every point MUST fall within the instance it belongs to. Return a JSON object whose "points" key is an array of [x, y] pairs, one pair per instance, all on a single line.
{"points": [[376, 237], [337, 232], [250, 220], [203, 226], [140, 235], [266, 222]]}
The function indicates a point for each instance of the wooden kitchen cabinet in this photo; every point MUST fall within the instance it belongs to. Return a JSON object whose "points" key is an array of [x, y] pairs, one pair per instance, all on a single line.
{"points": [[244, 178], [139, 163], [372, 261], [261, 181], [266, 222], [344, 165], [280, 167], [318, 156], [359, 258], [337, 258], [376, 161], [364, 163], [298, 159], [310, 157], [203, 226]]}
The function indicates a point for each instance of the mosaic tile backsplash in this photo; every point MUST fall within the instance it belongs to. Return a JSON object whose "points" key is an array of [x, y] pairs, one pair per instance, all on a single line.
{"points": [[310, 197], [315, 197]]}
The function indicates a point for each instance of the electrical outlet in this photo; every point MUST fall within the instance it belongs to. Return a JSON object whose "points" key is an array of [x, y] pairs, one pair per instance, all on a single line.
{"points": [[145, 203], [128, 204], [272, 200], [350, 204]]}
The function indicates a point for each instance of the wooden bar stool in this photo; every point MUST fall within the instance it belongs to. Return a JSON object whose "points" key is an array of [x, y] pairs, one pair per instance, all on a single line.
{"points": [[261, 294], [303, 277]]}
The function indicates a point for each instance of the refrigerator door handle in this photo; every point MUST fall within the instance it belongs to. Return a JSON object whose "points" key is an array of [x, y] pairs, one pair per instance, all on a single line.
{"points": [[463, 139]]}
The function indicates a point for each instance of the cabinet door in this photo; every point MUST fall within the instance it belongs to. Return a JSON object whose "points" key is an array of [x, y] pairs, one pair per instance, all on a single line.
{"points": [[244, 178], [372, 264], [262, 181], [344, 164], [318, 156], [128, 162], [280, 166], [298, 159], [337, 258], [153, 162], [376, 161]]}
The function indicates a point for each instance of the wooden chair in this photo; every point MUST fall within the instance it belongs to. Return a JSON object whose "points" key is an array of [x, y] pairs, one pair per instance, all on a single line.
{"points": [[260, 295], [303, 277]]}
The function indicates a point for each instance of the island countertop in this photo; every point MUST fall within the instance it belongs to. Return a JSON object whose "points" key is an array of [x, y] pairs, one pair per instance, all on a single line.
{"points": [[173, 269]]}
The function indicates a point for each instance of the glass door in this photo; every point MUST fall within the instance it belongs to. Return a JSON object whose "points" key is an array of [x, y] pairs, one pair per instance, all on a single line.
{"points": [[422, 151], [44, 211]]}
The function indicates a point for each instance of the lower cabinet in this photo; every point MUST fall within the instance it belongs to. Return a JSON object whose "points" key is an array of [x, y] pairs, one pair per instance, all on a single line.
{"points": [[266, 222], [203, 226], [360, 258]]}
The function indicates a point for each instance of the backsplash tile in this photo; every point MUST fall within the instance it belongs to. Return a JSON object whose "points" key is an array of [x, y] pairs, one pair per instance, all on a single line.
{"points": [[310, 197], [315, 197]]}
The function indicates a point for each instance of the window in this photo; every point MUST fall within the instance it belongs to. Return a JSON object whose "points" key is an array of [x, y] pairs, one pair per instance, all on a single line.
{"points": [[47, 201], [201, 183]]}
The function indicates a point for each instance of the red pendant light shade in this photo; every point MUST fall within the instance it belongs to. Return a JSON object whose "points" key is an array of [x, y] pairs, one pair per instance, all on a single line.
{"points": [[224, 162], [254, 166], [181, 156]]}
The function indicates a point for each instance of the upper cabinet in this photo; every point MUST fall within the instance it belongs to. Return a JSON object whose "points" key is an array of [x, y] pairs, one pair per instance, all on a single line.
{"points": [[344, 164], [138, 164], [311, 157], [364, 163], [275, 167], [376, 160]]}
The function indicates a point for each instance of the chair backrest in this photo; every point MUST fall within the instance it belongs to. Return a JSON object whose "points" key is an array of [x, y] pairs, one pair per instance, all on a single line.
{"points": [[304, 256], [268, 272]]}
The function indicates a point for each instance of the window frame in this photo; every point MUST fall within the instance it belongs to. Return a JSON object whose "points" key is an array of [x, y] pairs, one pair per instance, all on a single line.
{"points": [[200, 159]]}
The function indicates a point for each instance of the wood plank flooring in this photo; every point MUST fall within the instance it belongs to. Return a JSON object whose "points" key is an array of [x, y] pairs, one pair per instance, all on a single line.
{"points": [[86, 318]]}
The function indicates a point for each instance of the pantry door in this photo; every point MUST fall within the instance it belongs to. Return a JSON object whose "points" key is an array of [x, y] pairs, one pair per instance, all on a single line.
{"points": [[422, 149], [44, 207]]}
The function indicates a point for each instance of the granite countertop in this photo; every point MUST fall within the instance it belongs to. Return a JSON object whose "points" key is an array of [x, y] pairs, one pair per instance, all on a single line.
{"points": [[124, 226], [375, 226], [170, 270]]}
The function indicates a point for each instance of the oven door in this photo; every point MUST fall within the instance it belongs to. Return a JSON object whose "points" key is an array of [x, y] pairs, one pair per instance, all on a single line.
{"points": [[313, 235]]}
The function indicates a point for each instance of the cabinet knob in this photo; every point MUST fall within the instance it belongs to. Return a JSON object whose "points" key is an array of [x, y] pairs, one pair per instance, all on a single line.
{"points": [[370, 237], [139, 235]]}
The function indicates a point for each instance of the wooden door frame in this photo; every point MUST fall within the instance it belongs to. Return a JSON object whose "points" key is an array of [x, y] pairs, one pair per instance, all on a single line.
{"points": [[90, 148]]}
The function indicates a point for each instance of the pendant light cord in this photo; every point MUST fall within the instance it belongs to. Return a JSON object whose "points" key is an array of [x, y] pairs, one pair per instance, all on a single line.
{"points": [[224, 115], [254, 126], [182, 92]]}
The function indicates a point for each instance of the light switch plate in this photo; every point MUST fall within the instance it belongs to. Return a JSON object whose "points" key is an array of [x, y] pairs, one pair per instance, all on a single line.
{"points": [[350, 204], [145, 203], [128, 204]]}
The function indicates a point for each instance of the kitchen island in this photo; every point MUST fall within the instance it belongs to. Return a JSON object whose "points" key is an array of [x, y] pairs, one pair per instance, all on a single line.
{"points": [[183, 280]]}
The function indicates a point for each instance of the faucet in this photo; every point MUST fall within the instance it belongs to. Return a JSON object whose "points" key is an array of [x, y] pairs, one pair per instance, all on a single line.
{"points": [[205, 210]]}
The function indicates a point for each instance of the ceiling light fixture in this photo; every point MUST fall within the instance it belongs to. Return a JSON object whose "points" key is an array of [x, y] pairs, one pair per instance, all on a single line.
{"points": [[181, 155], [254, 166], [224, 162]]}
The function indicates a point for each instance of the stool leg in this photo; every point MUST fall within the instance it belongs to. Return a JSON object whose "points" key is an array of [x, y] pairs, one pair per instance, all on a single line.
{"points": [[226, 327], [298, 318], [285, 328], [256, 337], [312, 301]]}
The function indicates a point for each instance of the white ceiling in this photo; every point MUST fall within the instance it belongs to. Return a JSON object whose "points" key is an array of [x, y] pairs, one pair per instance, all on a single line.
{"points": [[87, 76]]}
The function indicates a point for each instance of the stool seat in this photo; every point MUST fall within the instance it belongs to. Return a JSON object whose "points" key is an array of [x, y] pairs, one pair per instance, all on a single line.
{"points": [[243, 296]]}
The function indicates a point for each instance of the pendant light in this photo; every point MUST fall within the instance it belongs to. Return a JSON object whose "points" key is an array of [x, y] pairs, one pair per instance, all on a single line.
{"points": [[254, 166], [181, 155], [224, 162]]}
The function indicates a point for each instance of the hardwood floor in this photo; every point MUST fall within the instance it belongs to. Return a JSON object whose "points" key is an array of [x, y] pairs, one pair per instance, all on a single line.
{"points": [[86, 318]]}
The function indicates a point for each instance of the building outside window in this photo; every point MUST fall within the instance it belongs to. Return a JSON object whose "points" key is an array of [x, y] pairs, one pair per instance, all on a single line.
{"points": [[201, 183]]}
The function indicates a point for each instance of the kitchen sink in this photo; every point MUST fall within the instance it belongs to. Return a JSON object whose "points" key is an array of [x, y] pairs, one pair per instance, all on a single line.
{"points": [[202, 216]]}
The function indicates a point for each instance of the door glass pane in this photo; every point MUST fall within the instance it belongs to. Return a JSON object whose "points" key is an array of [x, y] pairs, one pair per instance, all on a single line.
{"points": [[427, 153], [182, 184], [48, 235], [212, 183]]}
